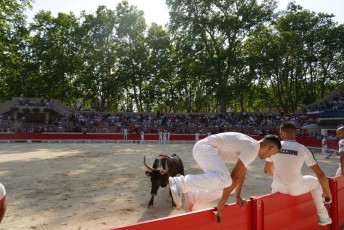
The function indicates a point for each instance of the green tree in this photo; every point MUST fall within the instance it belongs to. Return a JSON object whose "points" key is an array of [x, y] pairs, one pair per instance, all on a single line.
{"points": [[192, 80], [55, 54], [132, 55], [329, 46], [97, 78], [13, 48], [159, 69], [219, 29], [297, 57]]}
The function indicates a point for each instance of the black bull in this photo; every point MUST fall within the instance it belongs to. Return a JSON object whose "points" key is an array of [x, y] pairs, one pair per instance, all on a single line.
{"points": [[171, 166]]}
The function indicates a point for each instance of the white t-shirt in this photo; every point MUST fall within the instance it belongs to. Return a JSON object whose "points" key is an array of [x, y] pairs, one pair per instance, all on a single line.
{"points": [[288, 162], [341, 145], [233, 146]]}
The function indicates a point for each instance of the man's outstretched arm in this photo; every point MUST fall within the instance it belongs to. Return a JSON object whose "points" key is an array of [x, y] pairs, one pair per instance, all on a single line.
{"points": [[322, 180], [238, 177]]}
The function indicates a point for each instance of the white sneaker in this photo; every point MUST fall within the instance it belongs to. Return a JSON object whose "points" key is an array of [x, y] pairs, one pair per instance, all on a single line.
{"points": [[188, 204], [175, 191], [324, 221]]}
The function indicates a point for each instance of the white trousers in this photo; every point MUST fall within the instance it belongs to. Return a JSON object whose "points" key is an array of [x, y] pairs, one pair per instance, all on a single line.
{"points": [[2, 191], [206, 187], [307, 184], [325, 152]]}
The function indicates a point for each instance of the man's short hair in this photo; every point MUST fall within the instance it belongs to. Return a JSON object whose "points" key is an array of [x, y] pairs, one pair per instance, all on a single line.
{"points": [[273, 139], [288, 127]]}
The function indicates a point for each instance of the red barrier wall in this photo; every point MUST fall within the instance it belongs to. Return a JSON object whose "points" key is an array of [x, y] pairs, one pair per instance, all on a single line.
{"points": [[234, 217], [310, 142], [269, 212], [282, 211], [91, 136], [337, 207], [64, 136]]}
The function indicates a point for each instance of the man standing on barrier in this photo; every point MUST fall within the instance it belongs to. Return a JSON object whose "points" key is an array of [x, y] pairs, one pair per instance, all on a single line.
{"points": [[285, 167]]}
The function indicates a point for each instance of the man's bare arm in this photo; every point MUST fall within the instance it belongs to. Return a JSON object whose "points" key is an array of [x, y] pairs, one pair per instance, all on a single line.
{"points": [[237, 174], [322, 180]]}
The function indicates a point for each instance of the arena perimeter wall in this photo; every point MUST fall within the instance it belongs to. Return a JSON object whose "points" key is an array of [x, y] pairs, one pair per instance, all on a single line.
{"points": [[267, 212], [119, 137]]}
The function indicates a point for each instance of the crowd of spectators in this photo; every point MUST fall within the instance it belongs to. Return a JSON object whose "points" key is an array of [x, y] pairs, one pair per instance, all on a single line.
{"points": [[178, 123], [33, 102], [259, 123]]}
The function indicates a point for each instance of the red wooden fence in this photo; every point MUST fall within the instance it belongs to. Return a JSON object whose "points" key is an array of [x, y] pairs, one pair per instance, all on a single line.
{"points": [[267, 212]]}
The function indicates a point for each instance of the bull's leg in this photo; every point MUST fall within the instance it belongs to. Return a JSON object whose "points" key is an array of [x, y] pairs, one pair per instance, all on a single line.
{"points": [[173, 204], [150, 204]]}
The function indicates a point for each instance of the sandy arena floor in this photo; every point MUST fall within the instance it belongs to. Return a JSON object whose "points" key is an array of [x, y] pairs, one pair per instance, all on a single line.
{"points": [[98, 185]]}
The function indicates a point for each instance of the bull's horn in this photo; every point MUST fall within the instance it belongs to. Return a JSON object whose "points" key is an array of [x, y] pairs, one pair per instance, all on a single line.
{"points": [[164, 171], [147, 166]]}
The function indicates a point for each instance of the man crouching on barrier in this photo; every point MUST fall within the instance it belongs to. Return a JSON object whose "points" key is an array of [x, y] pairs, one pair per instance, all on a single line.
{"points": [[211, 154]]}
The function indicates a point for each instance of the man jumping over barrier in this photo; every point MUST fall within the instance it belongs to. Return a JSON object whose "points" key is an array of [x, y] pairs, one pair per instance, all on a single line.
{"points": [[211, 154]]}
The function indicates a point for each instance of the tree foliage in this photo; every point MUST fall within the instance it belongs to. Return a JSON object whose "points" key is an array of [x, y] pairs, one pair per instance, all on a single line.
{"points": [[213, 56], [14, 38]]}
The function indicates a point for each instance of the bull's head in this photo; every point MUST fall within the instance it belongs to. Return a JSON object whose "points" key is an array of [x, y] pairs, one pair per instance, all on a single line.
{"points": [[157, 177]]}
